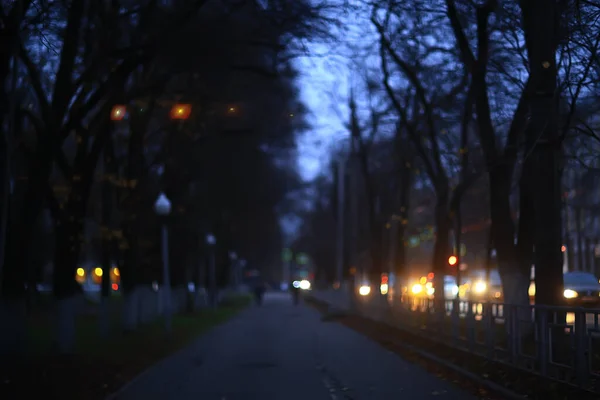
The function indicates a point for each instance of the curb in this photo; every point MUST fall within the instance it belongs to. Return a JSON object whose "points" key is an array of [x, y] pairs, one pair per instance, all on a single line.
{"points": [[492, 386]]}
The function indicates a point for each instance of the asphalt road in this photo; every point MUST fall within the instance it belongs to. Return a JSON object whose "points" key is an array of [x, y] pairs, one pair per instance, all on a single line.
{"points": [[284, 352]]}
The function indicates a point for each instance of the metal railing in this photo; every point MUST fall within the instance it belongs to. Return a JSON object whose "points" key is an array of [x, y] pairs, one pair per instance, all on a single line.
{"points": [[560, 343]]}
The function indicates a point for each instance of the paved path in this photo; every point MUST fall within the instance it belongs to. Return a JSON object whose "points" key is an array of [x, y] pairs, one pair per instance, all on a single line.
{"points": [[283, 352]]}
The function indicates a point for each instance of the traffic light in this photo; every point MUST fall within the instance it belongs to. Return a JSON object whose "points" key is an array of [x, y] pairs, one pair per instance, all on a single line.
{"points": [[452, 260], [384, 287]]}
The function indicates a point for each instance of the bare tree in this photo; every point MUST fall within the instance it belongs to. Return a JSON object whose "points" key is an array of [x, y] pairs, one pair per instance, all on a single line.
{"points": [[421, 112]]}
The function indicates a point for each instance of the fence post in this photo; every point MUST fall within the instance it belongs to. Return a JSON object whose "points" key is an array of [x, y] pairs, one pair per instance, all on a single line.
{"points": [[470, 326], [542, 333], [455, 316], [513, 333], [581, 344], [490, 328]]}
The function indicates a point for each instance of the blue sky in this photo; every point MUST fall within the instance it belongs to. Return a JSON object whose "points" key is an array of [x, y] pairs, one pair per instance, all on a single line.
{"points": [[321, 78], [325, 76]]}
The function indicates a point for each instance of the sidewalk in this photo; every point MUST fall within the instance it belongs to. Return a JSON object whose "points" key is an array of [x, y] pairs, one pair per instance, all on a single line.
{"points": [[282, 352]]}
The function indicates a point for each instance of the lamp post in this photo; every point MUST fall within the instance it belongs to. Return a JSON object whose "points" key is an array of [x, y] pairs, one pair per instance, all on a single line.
{"points": [[162, 207], [234, 268], [211, 241]]}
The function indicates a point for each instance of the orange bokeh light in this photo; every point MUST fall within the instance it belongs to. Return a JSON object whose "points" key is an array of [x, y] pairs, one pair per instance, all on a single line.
{"points": [[452, 260], [118, 112], [181, 111]]}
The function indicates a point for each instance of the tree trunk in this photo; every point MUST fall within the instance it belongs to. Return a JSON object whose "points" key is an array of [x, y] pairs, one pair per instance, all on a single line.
{"points": [[129, 278], [12, 302], [595, 258], [515, 280], [457, 242], [569, 247], [540, 26], [405, 186], [66, 290], [526, 225], [589, 255], [17, 257], [103, 316], [376, 252], [579, 235], [5, 192], [353, 220], [130, 225], [441, 250]]}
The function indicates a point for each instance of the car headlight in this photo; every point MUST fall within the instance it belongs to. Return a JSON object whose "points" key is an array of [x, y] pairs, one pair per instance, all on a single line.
{"points": [[304, 284], [480, 287], [570, 294], [416, 288], [364, 290]]}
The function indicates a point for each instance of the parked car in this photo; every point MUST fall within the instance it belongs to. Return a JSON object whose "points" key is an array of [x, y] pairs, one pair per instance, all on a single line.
{"points": [[581, 288]]}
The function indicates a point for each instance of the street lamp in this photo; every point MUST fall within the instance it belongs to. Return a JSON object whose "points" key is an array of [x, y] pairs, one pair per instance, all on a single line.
{"points": [[211, 240], [181, 111], [118, 112], [162, 207]]}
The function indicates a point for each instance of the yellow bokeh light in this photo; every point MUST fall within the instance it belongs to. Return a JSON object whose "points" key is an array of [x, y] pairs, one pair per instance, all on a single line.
{"points": [[384, 288], [423, 280], [98, 271], [116, 271], [80, 272], [118, 112], [180, 111]]}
